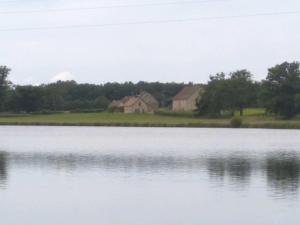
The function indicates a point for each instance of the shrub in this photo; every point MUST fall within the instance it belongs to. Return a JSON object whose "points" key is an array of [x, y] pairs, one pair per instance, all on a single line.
{"points": [[87, 110], [115, 109], [46, 112], [163, 112], [236, 122]]}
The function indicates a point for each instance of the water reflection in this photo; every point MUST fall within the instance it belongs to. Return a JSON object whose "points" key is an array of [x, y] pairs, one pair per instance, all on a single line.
{"points": [[216, 168], [3, 169], [281, 170], [236, 168], [239, 170]]}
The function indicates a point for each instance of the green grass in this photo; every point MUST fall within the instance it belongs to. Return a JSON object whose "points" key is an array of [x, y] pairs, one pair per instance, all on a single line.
{"points": [[108, 119], [254, 112], [254, 118]]}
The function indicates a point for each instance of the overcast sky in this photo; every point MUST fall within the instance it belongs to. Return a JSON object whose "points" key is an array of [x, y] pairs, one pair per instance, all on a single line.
{"points": [[182, 51]]}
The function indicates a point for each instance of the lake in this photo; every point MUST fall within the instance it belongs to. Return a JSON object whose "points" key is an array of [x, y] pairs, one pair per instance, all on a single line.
{"points": [[149, 176]]}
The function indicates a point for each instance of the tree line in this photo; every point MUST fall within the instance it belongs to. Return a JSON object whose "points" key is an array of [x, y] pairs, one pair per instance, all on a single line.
{"points": [[278, 93], [71, 96]]}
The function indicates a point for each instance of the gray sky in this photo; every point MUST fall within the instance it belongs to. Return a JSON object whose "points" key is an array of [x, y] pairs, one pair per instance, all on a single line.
{"points": [[183, 51]]}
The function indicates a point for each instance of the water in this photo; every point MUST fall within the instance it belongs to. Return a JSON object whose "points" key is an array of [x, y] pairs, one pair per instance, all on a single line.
{"points": [[148, 176]]}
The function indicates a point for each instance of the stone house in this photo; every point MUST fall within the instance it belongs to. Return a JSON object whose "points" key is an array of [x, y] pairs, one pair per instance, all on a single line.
{"points": [[136, 105], [149, 100], [142, 103], [186, 99]]}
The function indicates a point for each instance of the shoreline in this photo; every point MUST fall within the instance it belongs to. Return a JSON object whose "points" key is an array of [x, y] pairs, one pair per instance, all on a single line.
{"points": [[216, 125], [144, 120]]}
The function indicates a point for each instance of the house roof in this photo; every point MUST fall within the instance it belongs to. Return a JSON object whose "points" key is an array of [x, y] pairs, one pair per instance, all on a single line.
{"points": [[125, 99], [148, 99], [187, 92], [130, 100]]}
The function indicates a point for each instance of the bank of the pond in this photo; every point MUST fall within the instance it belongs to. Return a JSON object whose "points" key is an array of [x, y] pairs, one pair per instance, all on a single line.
{"points": [[142, 120]]}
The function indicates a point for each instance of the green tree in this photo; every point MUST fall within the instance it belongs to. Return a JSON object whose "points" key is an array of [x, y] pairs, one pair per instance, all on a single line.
{"points": [[228, 93], [101, 103], [27, 98], [242, 90], [4, 84], [215, 98], [280, 91]]}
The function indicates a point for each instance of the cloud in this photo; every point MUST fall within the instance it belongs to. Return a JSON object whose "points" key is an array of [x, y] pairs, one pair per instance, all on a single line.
{"points": [[62, 76]]}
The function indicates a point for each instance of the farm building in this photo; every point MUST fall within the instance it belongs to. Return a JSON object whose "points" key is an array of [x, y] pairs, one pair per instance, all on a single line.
{"points": [[142, 103], [186, 99]]}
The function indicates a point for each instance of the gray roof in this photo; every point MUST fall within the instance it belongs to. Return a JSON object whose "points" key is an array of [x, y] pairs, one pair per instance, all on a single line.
{"points": [[187, 92]]}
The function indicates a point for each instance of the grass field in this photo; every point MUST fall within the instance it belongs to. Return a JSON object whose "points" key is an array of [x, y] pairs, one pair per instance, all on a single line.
{"points": [[253, 118], [109, 119], [253, 112]]}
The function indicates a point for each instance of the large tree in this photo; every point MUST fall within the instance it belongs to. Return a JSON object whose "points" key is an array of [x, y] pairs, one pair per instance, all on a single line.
{"points": [[215, 98], [242, 89], [4, 72], [280, 91], [231, 93]]}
